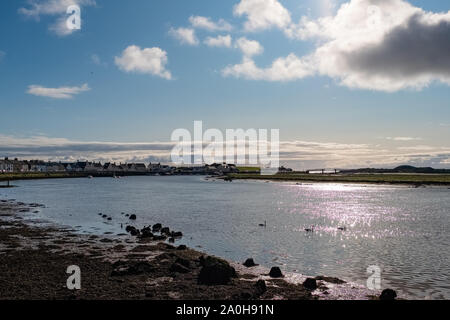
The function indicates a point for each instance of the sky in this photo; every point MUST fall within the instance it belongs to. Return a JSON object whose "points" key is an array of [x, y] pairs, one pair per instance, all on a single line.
{"points": [[349, 83]]}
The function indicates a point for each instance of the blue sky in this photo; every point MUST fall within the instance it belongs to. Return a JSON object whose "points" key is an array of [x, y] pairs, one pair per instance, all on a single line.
{"points": [[398, 118]]}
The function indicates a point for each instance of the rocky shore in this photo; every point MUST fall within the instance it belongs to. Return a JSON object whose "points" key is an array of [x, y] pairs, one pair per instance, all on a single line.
{"points": [[34, 257]]}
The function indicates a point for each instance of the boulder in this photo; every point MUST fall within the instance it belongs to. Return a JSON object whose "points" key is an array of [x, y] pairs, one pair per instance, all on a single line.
{"points": [[133, 217], [310, 284], [215, 271], [177, 234], [275, 272], [132, 230], [181, 247], [388, 294], [165, 230], [157, 227], [250, 263], [159, 238], [146, 233]]}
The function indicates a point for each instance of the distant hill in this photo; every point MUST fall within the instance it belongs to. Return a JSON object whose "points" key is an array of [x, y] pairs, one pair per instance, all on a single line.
{"points": [[399, 169]]}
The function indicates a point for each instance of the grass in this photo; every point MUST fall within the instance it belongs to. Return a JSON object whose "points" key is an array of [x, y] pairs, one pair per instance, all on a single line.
{"points": [[37, 175], [415, 179], [249, 169]]}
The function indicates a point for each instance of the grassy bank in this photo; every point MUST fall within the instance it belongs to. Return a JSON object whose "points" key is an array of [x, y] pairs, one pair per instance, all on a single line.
{"points": [[414, 179]]}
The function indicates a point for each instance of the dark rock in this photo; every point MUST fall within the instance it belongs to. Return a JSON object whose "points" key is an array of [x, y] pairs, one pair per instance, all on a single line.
{"points": [[109, 219], [310, 284], [132, 230], [171, 240], [176, 267], [160, 238], [104, 216], [181, 247], [260, 287], [388, 294], [177, 234], [183, 262], [165, 230], [133, 217], [146, 233], [330, 279], [275, 272], [121, 268], [250, 263], [215, 271], [157, 227]]}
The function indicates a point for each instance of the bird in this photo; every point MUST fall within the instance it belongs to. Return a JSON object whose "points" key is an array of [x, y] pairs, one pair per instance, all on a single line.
{"points": [[263, 224], [310, 229]]}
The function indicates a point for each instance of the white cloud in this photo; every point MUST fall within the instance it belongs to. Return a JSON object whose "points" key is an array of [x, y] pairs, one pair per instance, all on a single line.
{"points": [[379, 45], [37, 8], [403, 138], [57, 93], [148, 61], [207, 24], [219, 41], [185, 35], [249, 47], [262, 14], [282, 69]]}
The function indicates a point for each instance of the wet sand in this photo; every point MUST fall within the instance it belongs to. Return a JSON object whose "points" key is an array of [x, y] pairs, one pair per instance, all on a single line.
{"points": [[34, 257]]}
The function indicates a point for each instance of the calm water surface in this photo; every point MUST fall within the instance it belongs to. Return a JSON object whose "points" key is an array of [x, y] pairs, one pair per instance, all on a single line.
{"points": [[404, 231]]}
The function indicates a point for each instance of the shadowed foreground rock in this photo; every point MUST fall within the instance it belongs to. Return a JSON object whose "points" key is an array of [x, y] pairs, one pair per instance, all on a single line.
{"points": [[310, 284], [275, 272], [250, 263], [388, 294], [215, 271]]}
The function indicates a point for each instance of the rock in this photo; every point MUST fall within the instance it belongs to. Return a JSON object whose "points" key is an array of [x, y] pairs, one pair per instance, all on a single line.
{"points": [[157, 227], [176, 267], [260, 287], [132, 230], [275, 272], [146, 233], [177, 234], [183, 262], [109, 219], [133, 217], [388, 294], [165, 230], [160, 238], [215, 271], [330, 279], [121, 268], [310, 284], [181, 247], [171, 240], [104, 216], [250, 263]]}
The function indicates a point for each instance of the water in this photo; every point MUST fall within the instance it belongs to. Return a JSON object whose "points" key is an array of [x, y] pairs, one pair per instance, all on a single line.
{"points": [[404, 231]]}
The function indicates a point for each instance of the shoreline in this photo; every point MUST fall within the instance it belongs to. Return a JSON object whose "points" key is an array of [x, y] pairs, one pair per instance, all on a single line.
{"points": [[34, 257], [350, 179]]}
